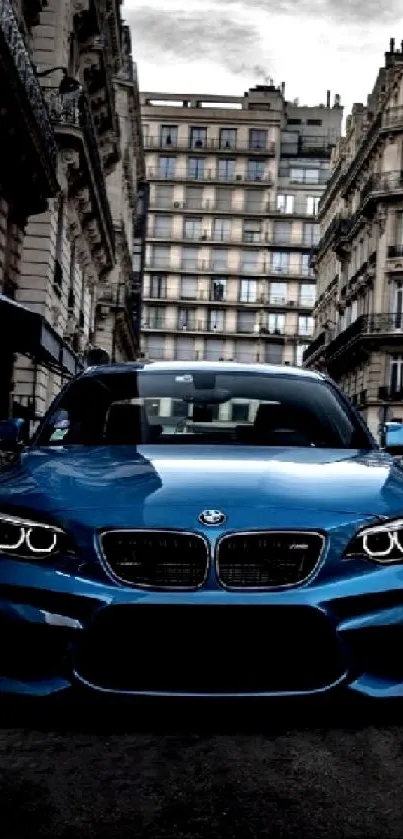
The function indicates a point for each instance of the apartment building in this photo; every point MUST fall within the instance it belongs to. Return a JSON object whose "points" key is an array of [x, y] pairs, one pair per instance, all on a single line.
{"points": [[235, 184], [68, 282], [359, 261]]}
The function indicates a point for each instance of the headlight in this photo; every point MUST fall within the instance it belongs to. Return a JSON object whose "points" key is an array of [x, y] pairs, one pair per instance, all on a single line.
{"points": [[31, 540], [382, 543]]}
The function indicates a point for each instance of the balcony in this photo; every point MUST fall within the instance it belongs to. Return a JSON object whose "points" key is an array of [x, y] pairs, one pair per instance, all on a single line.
{"points": [[381, 187], [27, 143], [100, 51], [308, 146], [314, 349], [208, 146], [208, 175], [366, 332], [261, 208], [392, 119], [75, 131]]}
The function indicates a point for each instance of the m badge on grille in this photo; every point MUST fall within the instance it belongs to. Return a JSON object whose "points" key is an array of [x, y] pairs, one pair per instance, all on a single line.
{"points": [[212, 518]]}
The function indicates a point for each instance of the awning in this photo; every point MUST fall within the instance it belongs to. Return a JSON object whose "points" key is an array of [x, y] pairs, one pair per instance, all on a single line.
{"points": [[28, 333]]}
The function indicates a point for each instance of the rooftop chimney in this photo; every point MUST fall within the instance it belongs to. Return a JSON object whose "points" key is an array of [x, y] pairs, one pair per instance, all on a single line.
{"points": [[328, 99], [283, 88], [392, 45]]}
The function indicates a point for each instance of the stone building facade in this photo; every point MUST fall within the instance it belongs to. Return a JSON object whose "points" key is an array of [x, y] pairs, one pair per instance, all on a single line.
{"points": [[77, 249], [359, 261]]}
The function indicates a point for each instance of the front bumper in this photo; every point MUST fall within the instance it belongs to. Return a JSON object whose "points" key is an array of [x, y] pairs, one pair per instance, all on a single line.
{"points": [[61, 631]]}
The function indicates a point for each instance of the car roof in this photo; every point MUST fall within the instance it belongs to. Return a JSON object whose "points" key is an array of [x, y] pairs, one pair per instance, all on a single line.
{"points": [[200, 366]]}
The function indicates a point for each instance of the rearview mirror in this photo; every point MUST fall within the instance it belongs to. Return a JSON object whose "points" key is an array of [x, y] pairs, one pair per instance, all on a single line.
{"points": [[12, 434]]}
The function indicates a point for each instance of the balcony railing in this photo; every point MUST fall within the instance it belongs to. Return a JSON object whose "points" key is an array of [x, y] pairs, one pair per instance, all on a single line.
{"points": [[245, 237], [179, 174], [393, 117], [285, 175], [10, 34], [164, 266], [195, 146], [382, 184], [73, 111], [314, 346]]}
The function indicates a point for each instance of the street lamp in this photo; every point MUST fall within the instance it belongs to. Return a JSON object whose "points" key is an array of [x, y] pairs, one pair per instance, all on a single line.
{"points": [[68, 83]]}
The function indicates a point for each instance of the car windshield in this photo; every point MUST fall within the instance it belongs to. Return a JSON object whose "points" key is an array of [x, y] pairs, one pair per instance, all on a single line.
{"points": [[202, 407]]}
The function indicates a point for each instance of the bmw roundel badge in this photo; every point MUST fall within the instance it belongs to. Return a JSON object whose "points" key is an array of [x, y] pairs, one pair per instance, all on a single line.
{"points": [[212, 518]]}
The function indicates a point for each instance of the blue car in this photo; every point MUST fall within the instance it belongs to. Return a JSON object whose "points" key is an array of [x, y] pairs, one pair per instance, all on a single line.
{"points": [[200, 529]]}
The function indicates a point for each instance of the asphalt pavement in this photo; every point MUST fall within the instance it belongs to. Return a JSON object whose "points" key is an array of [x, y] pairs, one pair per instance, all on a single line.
{"points": [[221, 773]]}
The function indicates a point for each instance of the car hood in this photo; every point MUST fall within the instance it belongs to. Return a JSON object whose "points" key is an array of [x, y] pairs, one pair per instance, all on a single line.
{"points": [[152, 485]]}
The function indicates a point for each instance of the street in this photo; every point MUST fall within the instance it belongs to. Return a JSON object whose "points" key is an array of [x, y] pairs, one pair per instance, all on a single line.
{"points": [[201, 774]]}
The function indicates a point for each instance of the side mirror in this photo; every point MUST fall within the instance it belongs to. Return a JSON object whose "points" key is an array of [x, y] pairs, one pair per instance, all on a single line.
{"points": [[12, 433], [393, 436]]}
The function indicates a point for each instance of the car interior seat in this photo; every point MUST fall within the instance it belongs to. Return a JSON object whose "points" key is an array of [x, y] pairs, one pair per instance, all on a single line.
{"points": [[277, 425], [128, 425]]}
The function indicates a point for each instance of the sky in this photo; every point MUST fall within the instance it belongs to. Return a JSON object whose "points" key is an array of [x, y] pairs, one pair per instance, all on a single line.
{"points": [[227, 46]]}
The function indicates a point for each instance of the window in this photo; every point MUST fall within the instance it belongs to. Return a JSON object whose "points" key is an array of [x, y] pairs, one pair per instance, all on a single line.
{"points": [[166, 167], [285, 204], [311, 234], [215, 320], [246, 351], [218, 288], [188, 290], [276, 324], [253, 200], [193, 228], [252, 230], [214, 349], [221, 229], [304, 176], [299, 355], [282, 232], [185, 348], [226, 169], [312, 204], [198, 138], [256, 170], [274, 353], [190, 258], [257, 139], [154, 346], [280, 262], [186, 319], [248, 291], [278, 292], [161, 256], [228, 138], [246, 321], [162, 227], [399, 230], [307, 295], [196, 168], [396, 373], [169, 135], [164, 195], [250, 261], [306, 269], [294, 122], [305, 325], [194, 197], [219, 259], [155, 317], [91, 407], [158, 286], [223, 198], [314, 122]]}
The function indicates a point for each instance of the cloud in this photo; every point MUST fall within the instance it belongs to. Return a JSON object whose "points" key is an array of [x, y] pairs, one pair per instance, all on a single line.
{"points": [[342, 11], [210, 36]]}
